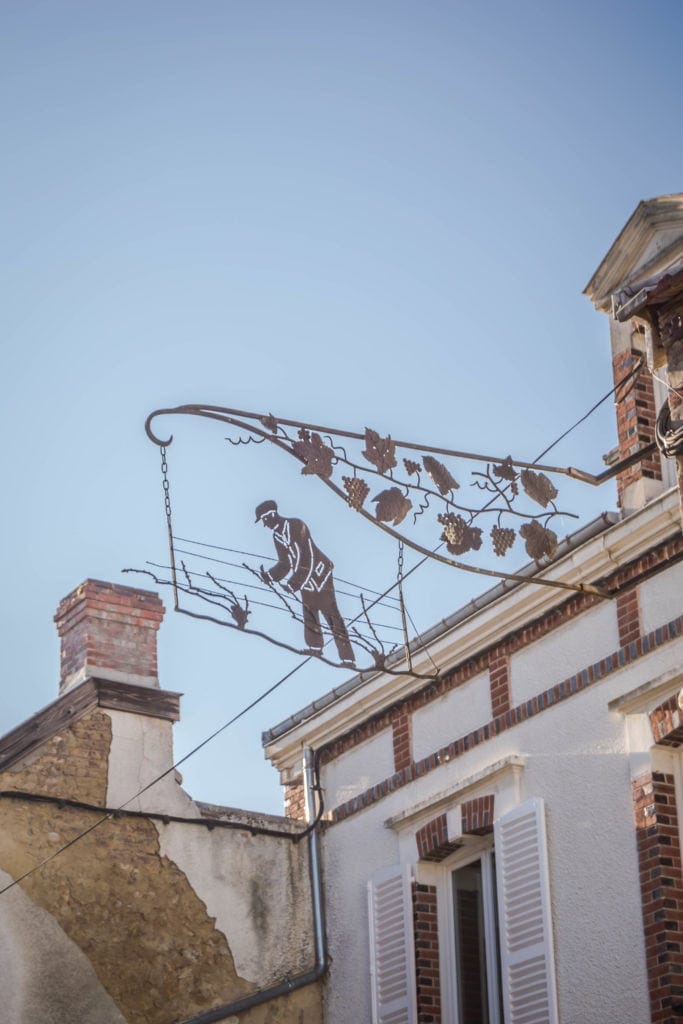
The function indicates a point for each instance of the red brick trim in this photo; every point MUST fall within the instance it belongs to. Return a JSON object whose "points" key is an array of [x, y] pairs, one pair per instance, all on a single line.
{"points": [[492, 659], [477, 816], [536, 705], [403, 739], [426, 931], [666, 723], [628, 616], [499, 675], [636, 416], [661, 885], [432, 840], [295, 801]]}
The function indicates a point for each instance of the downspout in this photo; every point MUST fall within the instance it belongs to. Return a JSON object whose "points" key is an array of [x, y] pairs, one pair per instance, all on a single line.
{"points": [[283, 988]]}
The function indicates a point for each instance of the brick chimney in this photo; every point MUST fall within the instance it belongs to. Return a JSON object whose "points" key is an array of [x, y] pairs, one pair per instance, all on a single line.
{"points": [[636, 416], [109, 632]]}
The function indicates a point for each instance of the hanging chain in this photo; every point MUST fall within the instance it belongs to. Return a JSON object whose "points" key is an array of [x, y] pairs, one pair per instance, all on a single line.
{"points": [[167, 491], [169, 523], [404, 623]]}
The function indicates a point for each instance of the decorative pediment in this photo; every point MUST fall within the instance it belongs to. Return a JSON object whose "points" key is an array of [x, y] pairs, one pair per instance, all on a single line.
{"points": [[649, 245]]}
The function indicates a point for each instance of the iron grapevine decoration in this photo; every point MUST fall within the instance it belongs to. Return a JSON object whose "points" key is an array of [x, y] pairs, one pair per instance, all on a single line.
{"points": [[392, 489], [393, 485], [401, 487]]}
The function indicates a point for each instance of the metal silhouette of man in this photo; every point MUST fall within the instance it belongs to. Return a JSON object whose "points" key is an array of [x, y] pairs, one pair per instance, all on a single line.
{"points": [[309, 574]]}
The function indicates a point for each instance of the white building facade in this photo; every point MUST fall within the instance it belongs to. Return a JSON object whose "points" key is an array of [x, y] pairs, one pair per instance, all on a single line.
{"points": [[503, 844]]}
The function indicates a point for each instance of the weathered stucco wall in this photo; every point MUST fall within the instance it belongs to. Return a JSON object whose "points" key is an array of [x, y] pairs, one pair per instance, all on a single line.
{"points": [[257, 889], [147, 923]]}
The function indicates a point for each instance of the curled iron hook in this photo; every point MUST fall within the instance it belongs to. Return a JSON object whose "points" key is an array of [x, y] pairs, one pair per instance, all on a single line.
{"points": [[150, 433]]}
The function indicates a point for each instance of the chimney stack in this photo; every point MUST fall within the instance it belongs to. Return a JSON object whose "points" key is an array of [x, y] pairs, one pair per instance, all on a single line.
{"points": [[109, 632], [639, 284]]}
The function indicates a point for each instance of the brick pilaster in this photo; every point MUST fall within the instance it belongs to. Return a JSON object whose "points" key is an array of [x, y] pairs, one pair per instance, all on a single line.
{"points": [[426, 931], [636, 416], [295, 801], [661, 885], [499, 678], [401, 726], [628, 616]]}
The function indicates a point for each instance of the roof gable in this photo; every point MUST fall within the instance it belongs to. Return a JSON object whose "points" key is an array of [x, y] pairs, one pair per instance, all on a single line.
{"points": [[650, 242], [76, 703]]}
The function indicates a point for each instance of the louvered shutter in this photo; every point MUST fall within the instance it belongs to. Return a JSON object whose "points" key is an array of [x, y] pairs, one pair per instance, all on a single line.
{"points": [[526, 940], [392, 954]]}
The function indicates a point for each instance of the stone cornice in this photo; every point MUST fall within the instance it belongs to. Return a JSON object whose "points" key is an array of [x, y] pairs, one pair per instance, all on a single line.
{"points": [[648, 695], [509, 768]]}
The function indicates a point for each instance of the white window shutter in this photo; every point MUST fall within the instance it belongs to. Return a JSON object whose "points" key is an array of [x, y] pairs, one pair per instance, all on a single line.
{"points": [[392, 949], [526, 938]]}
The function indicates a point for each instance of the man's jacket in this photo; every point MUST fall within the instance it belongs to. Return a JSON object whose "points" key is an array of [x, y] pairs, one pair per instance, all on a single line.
{"points": [[297, 555]]}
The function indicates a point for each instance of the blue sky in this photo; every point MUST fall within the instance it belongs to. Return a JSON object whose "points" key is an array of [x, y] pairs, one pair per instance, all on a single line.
{"points": [[357, 214]]}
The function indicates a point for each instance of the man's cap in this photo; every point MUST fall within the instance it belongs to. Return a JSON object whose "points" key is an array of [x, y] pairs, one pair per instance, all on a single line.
{"points": [[264, 508]]}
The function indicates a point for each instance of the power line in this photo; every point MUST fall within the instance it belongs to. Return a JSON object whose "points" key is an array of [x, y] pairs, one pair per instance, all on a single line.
{"points": [[186, 757], [264, 558], [255, 586], [239, 565]]}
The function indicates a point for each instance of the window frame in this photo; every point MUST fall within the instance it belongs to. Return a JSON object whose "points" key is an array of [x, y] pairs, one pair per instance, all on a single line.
{"points": [[480, 849]]}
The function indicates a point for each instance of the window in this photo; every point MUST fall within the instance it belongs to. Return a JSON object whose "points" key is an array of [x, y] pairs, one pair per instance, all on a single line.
{"points": [[470, 934], [476, 967]]}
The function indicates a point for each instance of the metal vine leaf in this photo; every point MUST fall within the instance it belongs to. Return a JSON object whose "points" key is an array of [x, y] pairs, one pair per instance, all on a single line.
{"points": [[538, 486], [540, 542], [239, 614], [411, 468], [392, 506], [380, 451], [505, 470], [357, 491], [315, 453], [269, 422], [440, 475]]}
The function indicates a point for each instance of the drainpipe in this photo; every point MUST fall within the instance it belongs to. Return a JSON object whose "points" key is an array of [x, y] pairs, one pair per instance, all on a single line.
{"points": [[283, 988], [314, 861]]}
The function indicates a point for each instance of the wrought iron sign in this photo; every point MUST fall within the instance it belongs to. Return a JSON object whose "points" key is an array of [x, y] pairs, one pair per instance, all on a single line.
{"points": [[412, 492]]}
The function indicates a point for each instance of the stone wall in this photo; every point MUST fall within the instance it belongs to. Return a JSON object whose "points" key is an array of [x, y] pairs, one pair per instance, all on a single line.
{"points": [[124, 918]]}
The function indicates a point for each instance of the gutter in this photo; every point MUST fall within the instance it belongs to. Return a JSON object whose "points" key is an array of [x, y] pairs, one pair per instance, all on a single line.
{"points": [[284, 988], [598, 525]]}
